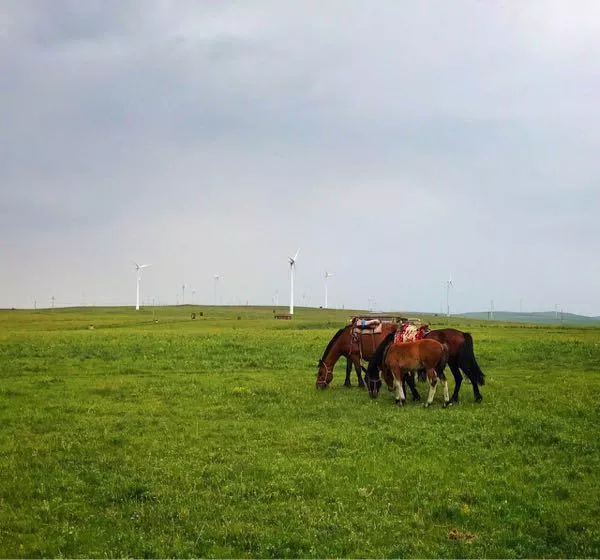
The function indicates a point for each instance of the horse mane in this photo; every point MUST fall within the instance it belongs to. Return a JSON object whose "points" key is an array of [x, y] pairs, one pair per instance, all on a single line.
{"points": [[377, 358], [332, 342]]}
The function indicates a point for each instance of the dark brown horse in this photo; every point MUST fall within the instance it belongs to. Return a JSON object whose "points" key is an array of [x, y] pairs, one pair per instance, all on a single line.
{"points": [[401, 359], [353, 346], [460, 357]]}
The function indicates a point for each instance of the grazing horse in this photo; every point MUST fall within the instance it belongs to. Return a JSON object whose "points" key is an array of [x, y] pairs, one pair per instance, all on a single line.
{"points": [[353, 346], [398, 360], [461, 357]]}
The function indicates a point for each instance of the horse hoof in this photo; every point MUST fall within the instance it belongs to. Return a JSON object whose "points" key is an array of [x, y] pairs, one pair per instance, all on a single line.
{"points": [[426, 405], [447, 404], [478, 399]]}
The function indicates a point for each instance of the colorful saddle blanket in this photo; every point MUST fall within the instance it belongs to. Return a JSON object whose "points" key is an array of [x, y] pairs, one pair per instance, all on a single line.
{"points": [[407, 332]]}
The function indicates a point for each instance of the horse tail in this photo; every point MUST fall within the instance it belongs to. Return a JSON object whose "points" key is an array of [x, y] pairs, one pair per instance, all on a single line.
{"points": [[445, 356], [468, 362], [376, 360], [441, 363]]}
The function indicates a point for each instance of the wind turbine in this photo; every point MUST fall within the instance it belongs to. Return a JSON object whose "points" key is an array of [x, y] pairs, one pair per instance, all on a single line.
{"points": [[292, 272], [449, 285], [327, 275], [138, 268], [217, 277]]}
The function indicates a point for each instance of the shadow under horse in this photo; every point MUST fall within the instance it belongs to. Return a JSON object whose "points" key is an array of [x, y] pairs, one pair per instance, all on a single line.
{"points": [[354, 346], [461, 357]]}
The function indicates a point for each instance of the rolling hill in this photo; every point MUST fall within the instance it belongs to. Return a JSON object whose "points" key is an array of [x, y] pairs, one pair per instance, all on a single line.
{"points": [[542, 317]]}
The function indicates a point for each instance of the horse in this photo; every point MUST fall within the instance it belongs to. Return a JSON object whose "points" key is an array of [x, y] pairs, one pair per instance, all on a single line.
{"points": [[397, 360], [354, 347], [461, 357]]}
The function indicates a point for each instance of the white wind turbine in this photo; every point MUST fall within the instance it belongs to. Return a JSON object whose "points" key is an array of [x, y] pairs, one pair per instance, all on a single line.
{"points": [[138, 268], [327, 276], [449, 285], [217, 277], [292, 272]]}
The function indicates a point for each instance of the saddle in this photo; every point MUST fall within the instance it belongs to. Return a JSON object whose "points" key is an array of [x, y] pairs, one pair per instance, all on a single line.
{"points": [[365, 326], [408, 333]]}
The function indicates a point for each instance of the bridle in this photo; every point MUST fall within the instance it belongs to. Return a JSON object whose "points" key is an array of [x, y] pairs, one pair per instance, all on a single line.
{"points": [[328, 371], [372, 383]]}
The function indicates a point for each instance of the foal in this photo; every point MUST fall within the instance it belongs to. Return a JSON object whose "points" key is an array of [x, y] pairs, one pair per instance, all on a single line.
{"points": [[400, 359]]}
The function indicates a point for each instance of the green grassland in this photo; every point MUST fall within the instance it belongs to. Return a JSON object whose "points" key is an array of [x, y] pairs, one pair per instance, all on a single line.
{"points": [[153, 435]]}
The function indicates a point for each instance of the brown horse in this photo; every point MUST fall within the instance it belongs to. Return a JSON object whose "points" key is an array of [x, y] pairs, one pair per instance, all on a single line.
{"points": [[401, 359], [353, 346], [461, 357]]}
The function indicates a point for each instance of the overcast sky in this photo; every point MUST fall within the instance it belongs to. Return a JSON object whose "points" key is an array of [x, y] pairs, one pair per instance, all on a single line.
{"points": [[395, 143]]}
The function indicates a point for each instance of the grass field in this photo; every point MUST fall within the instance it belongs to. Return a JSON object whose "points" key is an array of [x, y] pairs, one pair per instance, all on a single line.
{"points": [[207, 438]]}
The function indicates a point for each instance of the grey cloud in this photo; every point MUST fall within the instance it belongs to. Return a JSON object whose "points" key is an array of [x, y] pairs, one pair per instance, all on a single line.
{"points": [[144, 129]]}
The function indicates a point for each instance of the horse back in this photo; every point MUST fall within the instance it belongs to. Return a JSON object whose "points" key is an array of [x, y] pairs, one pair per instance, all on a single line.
{"points": [[452, 338], [413, 355]]}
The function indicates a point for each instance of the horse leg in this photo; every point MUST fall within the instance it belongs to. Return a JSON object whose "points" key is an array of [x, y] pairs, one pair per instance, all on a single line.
{"points": [[398, 382], [469, 366], [458, 378], [410, 379], [432, 378], [447, 401], [471, 377], [347, 382], [358, 368], [478, 397], [385, 377]]}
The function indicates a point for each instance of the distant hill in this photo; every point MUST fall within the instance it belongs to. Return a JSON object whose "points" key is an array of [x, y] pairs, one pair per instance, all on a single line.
{"points": [[546, 317]]}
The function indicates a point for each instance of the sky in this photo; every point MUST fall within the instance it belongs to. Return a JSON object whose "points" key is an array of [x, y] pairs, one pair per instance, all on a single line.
{"points": [[397, 144]]}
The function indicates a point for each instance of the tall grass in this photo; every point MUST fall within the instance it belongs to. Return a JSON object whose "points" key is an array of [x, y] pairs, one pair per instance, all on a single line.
{"points": [[183, 438]]}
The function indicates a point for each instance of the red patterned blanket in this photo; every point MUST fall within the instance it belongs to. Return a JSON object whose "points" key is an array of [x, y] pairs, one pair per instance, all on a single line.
{"points": [[407, 332]]}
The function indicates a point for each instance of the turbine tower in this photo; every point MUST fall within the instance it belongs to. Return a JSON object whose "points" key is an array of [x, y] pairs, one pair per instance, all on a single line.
{"points": [[138, 268], [217, 277], [449, 285], [292, 272], [327, 276]]}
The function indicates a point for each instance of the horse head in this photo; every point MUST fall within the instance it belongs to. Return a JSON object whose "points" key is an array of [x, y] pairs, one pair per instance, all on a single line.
{"points": [[324, 375], [373, 385], [376, 364]]}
